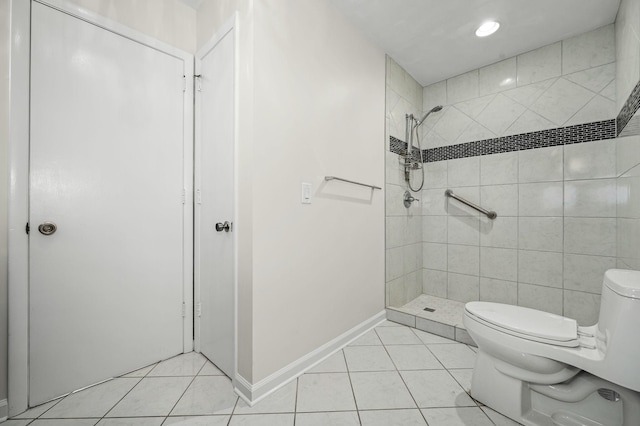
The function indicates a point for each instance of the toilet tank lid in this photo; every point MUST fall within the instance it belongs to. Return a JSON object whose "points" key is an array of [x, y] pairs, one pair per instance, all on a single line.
{"points": [[625, 282], [526, 321]]}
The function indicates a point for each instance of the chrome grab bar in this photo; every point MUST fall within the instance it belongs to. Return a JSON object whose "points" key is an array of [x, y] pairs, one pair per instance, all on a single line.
{"points": [[328, 178], [489, 214]]}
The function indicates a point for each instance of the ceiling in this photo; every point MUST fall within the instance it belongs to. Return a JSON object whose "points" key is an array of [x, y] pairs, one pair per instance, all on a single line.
{"points": [[435, 39]]}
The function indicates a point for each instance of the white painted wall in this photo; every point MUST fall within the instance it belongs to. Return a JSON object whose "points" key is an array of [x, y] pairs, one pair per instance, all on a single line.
{"points": [[169, 21], [312, 93], [4, 186], [318, 270]]}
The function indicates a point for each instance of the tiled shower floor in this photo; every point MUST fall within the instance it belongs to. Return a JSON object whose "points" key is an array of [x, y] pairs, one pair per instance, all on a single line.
{"points": [[445, 321], [392, 375]]}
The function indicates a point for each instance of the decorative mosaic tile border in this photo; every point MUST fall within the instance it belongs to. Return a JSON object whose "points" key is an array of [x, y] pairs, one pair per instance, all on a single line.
{"points": [[629, 109], [589, 132], [400, 147]]}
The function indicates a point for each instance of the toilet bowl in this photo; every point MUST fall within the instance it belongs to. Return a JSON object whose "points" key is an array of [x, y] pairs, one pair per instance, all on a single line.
{"points": [[544, 369]]}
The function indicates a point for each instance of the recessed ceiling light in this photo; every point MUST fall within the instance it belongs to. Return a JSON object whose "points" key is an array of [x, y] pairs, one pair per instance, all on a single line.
{"points": [[487, 28]]}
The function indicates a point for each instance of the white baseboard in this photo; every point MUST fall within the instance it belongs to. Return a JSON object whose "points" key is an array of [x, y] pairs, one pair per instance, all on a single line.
{"points": [[4, 410], [252, 393]]}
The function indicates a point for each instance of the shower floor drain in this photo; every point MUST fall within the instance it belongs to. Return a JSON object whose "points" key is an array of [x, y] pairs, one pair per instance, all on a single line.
{"points": [[429, 309]]}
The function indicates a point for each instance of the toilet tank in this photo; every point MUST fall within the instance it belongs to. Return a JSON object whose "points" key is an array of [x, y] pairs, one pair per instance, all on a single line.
{"points": [[617, 333]]}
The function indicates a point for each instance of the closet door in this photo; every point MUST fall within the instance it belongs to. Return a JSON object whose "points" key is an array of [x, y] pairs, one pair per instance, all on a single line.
{"points": [[215, 262], [106, 204]]}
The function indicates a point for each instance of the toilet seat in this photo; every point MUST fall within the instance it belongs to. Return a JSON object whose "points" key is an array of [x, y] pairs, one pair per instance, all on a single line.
{"points": [[525, 323]]}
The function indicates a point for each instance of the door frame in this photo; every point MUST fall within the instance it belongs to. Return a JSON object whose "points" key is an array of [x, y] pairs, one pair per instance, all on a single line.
{"points": [[18, 215], [231, 24]]}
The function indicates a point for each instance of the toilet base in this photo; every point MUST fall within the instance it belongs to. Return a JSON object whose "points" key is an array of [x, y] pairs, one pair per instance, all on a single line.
{"points": [[575, 402]]}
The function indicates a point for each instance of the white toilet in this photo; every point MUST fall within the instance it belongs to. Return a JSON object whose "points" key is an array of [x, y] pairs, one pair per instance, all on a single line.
{"points": [[543, 369]]}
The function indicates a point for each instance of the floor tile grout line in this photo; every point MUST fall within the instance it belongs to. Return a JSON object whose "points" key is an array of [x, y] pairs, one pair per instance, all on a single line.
{"points": [[353, 392]]}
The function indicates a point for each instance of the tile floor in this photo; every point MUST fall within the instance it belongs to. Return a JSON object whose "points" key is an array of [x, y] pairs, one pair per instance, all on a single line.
{"points": [[392, 375]]}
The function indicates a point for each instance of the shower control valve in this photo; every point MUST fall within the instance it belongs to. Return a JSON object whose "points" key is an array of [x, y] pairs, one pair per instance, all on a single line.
{"points": [[408, 199]]}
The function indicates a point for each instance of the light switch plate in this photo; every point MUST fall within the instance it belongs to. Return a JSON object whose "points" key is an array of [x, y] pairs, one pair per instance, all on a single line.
{"points": [[306, 193]]}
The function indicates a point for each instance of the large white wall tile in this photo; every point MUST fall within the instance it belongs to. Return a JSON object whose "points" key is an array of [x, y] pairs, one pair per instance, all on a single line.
{"points": [[628, 239], [628, 196], [609, 92], [590, 198], [463, 288], [434, 94], [499, 291], [561, 101], [594, 236], [540, 64], [499, 169], [529, 122], [434, 256], [475, 132], [540, 199], [542, 298], [594, 79], [540, 165], [394, 231], [589, 50], [590, 160], [412, 254], [435, 175], [463, 172], [463, 230], [526, 95], [434, 229], [585, 273], [463, 259], [541, 268], [500, 232], [451, 125], [462, 87], [434, 283], [540, 233], [497, 77], [583, 307], [394, 263], [599, 108], [627, 54], [474, 107], [627, 154], [501, 113], [434, 202], [503, 199], [393, 200], [456, 208], [499, 263]]}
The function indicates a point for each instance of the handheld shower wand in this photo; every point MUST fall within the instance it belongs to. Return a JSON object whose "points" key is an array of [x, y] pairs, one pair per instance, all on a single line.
{"points": [[411, 126]]}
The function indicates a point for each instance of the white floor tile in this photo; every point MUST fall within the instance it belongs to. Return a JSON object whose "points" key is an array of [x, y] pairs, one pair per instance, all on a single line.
{"points": [[370, 338], [392, 418], [334, 364], [388, 323], [262, 420], [397, 336], [368, 358], [454, 356], [325, 392], [141, 372], [498, 419], [436, 388], [428, 338], [207, 395], [95, 401], [281, 401], [153, 396], [16, 422], [63, 422], [210, 370], [344, 418], [36, 412], [188, 364], [461, 416], [197, 421], [132, 421], [463, 377], [380, 390], [413, 357]]}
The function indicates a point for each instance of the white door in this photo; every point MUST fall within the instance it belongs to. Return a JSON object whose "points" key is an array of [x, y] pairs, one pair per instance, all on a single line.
{"points": [[214, 266], [106, 289]]}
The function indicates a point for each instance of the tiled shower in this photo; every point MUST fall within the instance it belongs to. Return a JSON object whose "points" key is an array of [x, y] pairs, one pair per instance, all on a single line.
{"points": [[532, 137]]}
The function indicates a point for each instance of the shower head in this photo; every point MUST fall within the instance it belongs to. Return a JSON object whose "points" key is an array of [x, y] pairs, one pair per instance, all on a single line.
{"points": [[424, 117]]}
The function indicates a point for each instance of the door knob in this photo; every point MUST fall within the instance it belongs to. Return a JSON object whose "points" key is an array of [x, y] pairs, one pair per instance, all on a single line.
{"points": [[226, 227], [47, 228]]}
